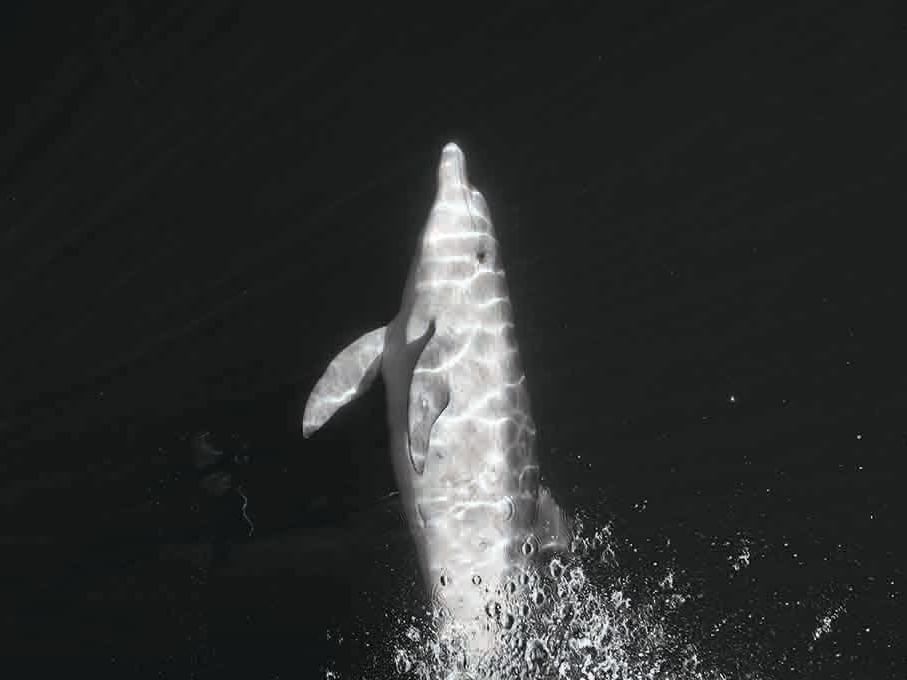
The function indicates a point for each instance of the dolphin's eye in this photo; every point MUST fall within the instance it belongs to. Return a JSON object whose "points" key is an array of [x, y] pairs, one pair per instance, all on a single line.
{"points": [[480, 256]]}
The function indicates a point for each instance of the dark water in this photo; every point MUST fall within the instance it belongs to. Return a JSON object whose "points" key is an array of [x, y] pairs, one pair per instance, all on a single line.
{"points": [[699, 209]]}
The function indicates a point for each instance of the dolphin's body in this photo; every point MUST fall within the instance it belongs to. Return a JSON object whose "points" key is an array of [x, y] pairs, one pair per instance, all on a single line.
{"points": [[461, 433]]}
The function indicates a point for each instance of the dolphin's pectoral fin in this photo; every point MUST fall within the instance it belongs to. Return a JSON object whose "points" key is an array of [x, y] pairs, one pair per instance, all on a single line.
{"points": [[347, 376], [552, 526], [428, 397]]}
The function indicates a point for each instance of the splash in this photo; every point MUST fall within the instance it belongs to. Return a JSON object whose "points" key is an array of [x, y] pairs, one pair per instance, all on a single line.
{"points": [[574, 616], [826, 621]]}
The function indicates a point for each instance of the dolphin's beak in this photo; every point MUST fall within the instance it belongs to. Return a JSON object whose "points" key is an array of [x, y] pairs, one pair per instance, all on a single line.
{"points": [[452, 170]]}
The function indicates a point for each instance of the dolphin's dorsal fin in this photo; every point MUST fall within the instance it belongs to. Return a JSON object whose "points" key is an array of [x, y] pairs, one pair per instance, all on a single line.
{"points": [[428, 397], [347, 376], [552, 528]]}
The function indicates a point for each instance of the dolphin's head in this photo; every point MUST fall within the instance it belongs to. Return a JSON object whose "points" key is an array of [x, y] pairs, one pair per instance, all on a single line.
{"points": [[458, 261], [460, 215]]}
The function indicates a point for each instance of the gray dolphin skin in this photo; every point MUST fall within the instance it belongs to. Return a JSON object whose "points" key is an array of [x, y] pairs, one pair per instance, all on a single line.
{"points": [[462, 436]]}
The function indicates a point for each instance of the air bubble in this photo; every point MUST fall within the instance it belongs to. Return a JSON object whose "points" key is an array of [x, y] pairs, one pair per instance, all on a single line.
{"points": [[556, 569], [402, 662], [477, 580], [536, 654], [508, 510], [445, 579], [529, 546]]}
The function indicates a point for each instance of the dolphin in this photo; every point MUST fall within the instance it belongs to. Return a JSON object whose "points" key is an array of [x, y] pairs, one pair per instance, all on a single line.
{"points": [[462, 437]]}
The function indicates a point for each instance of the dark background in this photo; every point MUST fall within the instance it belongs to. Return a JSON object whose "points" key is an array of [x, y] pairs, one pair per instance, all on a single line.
{"points": [[200, 203]]}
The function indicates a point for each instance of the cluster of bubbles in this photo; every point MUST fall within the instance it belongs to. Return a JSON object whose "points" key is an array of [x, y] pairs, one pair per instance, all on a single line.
{"points": [[572, 616]]}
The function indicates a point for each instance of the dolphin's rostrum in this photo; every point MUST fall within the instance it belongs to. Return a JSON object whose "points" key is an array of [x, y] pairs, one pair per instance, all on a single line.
{"points": [[462, 436]]}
